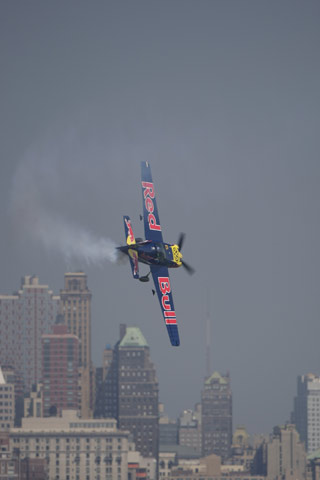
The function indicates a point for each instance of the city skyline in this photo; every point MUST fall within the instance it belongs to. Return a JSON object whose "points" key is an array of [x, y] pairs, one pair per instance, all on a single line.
{"points": [[76, 285], [222, 99], [126, 395]]}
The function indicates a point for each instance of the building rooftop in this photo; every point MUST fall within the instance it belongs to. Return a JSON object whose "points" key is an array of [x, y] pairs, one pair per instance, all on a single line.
{"points": [[69, 421], [133, 338], [182, 451], [314, 455], [215, 376], [75, 274]]}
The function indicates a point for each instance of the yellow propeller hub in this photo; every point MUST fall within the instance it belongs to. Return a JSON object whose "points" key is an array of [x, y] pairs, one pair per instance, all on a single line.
{"points": [[177, 255]]}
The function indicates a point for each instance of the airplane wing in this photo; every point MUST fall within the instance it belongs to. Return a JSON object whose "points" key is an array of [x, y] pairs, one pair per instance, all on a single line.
{"points": [[152, 227], [162, 284]]}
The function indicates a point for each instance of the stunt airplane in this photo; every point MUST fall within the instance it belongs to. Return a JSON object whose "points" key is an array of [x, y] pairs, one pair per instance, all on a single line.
{"points": [[153, 251]]}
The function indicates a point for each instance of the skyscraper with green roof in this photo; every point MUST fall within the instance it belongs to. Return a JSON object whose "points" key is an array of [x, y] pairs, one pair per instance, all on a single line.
{"points": [[130, 391], [138, 392]]}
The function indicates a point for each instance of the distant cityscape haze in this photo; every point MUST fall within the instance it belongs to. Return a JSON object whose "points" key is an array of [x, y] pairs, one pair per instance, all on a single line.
{"points": [[48, 386]]}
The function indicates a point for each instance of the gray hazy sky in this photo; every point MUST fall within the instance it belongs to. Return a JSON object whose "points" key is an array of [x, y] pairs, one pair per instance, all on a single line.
{"points": [[222, 98]]}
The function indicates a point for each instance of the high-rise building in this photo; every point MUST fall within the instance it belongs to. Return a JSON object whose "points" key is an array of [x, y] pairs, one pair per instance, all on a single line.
{"points": [[76, 309], [107, 360], [60, 363], [6, 404], [286, 455], [306, 411], [138, 392], [216, 401], [282, 457], [130, 391], [24, 317], [106, 402]]}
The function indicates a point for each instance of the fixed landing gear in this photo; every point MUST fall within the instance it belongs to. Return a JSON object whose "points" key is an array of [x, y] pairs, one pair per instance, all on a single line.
{"points": [[145, 278]]}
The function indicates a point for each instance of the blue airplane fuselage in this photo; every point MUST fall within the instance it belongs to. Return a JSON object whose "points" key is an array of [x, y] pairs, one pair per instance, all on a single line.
{"points": [[155, 253]]}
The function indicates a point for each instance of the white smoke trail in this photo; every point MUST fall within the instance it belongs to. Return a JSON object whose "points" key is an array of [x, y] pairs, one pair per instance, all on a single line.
{"points": [[35, 180], [71, 240]]}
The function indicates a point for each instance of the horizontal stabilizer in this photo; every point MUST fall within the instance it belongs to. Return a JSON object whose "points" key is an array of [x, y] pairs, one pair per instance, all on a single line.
{"points": [[132, 253]]}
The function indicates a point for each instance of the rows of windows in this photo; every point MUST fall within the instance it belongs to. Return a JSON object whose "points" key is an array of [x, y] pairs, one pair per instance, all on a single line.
{"points": [[92, 425]]}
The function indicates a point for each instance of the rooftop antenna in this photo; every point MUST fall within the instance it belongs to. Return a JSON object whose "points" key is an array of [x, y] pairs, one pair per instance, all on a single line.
{"points": [[208, 337]]}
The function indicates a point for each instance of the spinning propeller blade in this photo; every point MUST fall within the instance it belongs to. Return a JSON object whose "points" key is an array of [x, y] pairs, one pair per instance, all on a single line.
{"points": [[181, 240], [189, 269]]}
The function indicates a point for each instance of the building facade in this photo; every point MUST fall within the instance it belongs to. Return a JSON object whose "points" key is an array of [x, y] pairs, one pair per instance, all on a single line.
{"points": [[106, 402], [33, 402], [24, 317], [283, 457], [60, 366], [190, 431], [7, 404], [306, 412], [207, 468], [75, 449], [242, 452], [313, 466], [9, 467], [140, 467], [130, 391], [168, 431], [216, 405], [138, 392], [76, 310]]}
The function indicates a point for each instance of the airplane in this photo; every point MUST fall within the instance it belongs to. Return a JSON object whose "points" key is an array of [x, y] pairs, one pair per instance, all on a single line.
{"points": [[153, 251]]}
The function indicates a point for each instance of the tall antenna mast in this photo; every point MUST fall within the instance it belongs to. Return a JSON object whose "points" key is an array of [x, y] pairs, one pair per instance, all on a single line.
{"points": [[208, 337]]}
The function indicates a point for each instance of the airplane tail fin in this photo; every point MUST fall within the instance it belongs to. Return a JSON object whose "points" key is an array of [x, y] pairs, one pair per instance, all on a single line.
{"points": [[128, 231], [132, 253]]}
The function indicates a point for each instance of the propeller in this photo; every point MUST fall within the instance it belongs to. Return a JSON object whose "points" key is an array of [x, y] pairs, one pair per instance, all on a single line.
{"points": [[181, 240], [189, 269]]}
